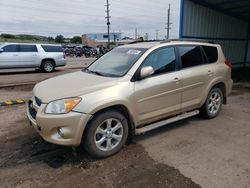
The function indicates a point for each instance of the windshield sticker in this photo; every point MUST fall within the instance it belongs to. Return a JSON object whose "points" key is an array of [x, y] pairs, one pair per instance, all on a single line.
{"points": [[134, 52]]}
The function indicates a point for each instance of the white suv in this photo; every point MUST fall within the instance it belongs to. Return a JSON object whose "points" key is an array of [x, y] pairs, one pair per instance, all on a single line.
{"points": [[43, 56]]}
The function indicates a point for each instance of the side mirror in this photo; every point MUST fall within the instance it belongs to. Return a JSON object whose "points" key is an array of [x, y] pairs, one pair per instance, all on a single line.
{"points": [[146, 72], [1, 50]]}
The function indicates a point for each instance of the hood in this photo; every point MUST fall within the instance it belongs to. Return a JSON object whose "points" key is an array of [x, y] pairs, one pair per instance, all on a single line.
{"points": [[71, 85]]}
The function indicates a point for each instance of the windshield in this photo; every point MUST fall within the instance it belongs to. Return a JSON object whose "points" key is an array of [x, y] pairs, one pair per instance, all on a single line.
{"points": [[117, 62]]}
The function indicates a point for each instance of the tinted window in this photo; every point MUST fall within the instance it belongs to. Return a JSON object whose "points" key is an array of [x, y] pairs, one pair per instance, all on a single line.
{"points": [[211, 53], [48, 48], [28, 48], [10, 48], [162, 60], [190, 56]]}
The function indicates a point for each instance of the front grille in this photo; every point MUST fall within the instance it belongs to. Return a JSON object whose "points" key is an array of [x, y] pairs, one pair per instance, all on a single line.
{"points": [[32, 111], [38, 101]]}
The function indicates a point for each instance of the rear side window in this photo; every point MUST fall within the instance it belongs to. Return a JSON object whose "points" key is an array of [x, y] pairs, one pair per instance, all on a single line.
{"points": [[190, 56], [162, 61], [49, 48], [10, 48], [211, 53], [28, 48]]}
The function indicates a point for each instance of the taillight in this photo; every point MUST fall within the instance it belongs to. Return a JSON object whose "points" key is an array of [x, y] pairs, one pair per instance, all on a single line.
{"points": [[64, 56], [229, 64]]}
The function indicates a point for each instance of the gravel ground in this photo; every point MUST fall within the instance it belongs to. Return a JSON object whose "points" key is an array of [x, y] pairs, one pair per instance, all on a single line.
{"points": [[190, 153]]}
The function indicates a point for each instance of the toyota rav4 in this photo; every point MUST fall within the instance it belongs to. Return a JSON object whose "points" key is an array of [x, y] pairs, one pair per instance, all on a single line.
{"points": [[131, 90]]}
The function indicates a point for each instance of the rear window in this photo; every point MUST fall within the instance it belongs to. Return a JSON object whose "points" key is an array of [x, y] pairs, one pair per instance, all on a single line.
{"points": [[190, 56], [211, 53], [27, 48], [49, 48]]}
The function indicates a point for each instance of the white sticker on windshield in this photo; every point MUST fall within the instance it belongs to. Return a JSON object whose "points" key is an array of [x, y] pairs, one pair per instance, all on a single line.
{"points": [[134, 52]]}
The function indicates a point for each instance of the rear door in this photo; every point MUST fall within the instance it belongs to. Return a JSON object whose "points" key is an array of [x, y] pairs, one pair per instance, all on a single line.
{"points": [[9, 58], [28, 55], [196, 75]]}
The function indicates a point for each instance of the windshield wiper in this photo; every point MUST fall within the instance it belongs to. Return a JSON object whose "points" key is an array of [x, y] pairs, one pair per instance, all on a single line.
{"points": [[94, 72]]}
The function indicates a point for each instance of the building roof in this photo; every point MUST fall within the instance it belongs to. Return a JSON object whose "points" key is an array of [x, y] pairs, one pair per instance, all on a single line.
{"points": [[236, 8]]}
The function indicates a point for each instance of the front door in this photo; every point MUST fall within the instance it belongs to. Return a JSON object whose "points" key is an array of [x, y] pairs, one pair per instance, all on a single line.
{"points": [[9, 57], [159, 95]]}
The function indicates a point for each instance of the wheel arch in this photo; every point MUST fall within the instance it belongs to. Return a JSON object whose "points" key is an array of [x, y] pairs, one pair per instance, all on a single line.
{"points": [[221, 85], [48, 59], [123, 109]]}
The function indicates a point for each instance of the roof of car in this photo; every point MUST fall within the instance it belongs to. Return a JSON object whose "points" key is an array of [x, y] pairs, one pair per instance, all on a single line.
{"points": [[19, 43], [150, 44]]}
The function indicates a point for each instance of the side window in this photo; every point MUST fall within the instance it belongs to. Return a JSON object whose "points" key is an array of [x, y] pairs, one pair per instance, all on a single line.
{"points": [[28, 48], [211, 53], [162, 60], [190, 56], [49, 48], [10, 48]]}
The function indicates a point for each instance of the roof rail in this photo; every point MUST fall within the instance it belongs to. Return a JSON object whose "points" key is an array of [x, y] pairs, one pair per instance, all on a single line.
{"points": [[138, 41], [187, 40]]}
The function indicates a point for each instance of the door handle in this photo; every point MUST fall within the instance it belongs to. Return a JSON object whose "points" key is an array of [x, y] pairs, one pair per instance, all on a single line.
{"points": [[15, 55], [210, 73], [177, 80]]}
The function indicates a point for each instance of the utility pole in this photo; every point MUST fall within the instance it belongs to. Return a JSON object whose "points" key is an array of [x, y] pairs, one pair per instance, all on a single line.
{"points": [[156, 34], [136, 36], [108, 22], [168, 23]]}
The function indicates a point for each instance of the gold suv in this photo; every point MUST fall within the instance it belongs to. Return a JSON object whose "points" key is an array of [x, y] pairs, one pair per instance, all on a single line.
{"points": [[131, 90]]}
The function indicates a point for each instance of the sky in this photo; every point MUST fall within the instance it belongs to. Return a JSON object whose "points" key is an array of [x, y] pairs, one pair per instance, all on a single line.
{"points": [[77, 17]]}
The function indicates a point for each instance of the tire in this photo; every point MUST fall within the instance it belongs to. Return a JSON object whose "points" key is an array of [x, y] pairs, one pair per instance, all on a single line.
{"points": [[213, 104], [99, 140], [48, 66]]}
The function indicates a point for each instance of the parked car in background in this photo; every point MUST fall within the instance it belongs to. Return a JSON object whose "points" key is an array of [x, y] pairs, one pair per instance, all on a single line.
{"points": [[131, 90], [43, 56]]}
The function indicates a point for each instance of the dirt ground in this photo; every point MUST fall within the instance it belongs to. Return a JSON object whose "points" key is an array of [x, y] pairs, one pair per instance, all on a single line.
{"points": [[190, 153], [28, 161]]}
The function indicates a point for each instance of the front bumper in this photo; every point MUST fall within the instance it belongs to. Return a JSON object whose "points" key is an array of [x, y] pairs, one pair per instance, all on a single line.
{"points": [[63, 129]]}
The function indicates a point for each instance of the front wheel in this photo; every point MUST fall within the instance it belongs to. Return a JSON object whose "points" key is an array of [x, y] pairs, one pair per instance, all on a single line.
{"points": [[213, 104], [106, 134]]}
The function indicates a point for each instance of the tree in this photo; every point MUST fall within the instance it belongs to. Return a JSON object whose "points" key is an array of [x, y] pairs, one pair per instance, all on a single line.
{"points": [[59, 39], [76, 40], [50, 39], [8, 36]]}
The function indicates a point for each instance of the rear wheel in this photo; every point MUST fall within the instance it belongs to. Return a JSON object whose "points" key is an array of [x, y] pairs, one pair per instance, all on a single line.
{"points": [[48, 66], [213, 104], [106, 134]]}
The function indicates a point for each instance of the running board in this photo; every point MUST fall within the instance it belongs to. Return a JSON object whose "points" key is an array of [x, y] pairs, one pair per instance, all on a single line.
{"points": [[166, 121]]}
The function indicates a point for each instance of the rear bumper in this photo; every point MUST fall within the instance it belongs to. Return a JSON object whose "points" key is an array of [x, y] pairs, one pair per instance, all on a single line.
{"points": [[61, 62], [230, 86], [64, 129]]}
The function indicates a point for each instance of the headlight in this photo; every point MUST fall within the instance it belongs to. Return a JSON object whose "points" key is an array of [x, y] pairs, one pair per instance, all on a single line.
{"points": [[62, 106]]}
